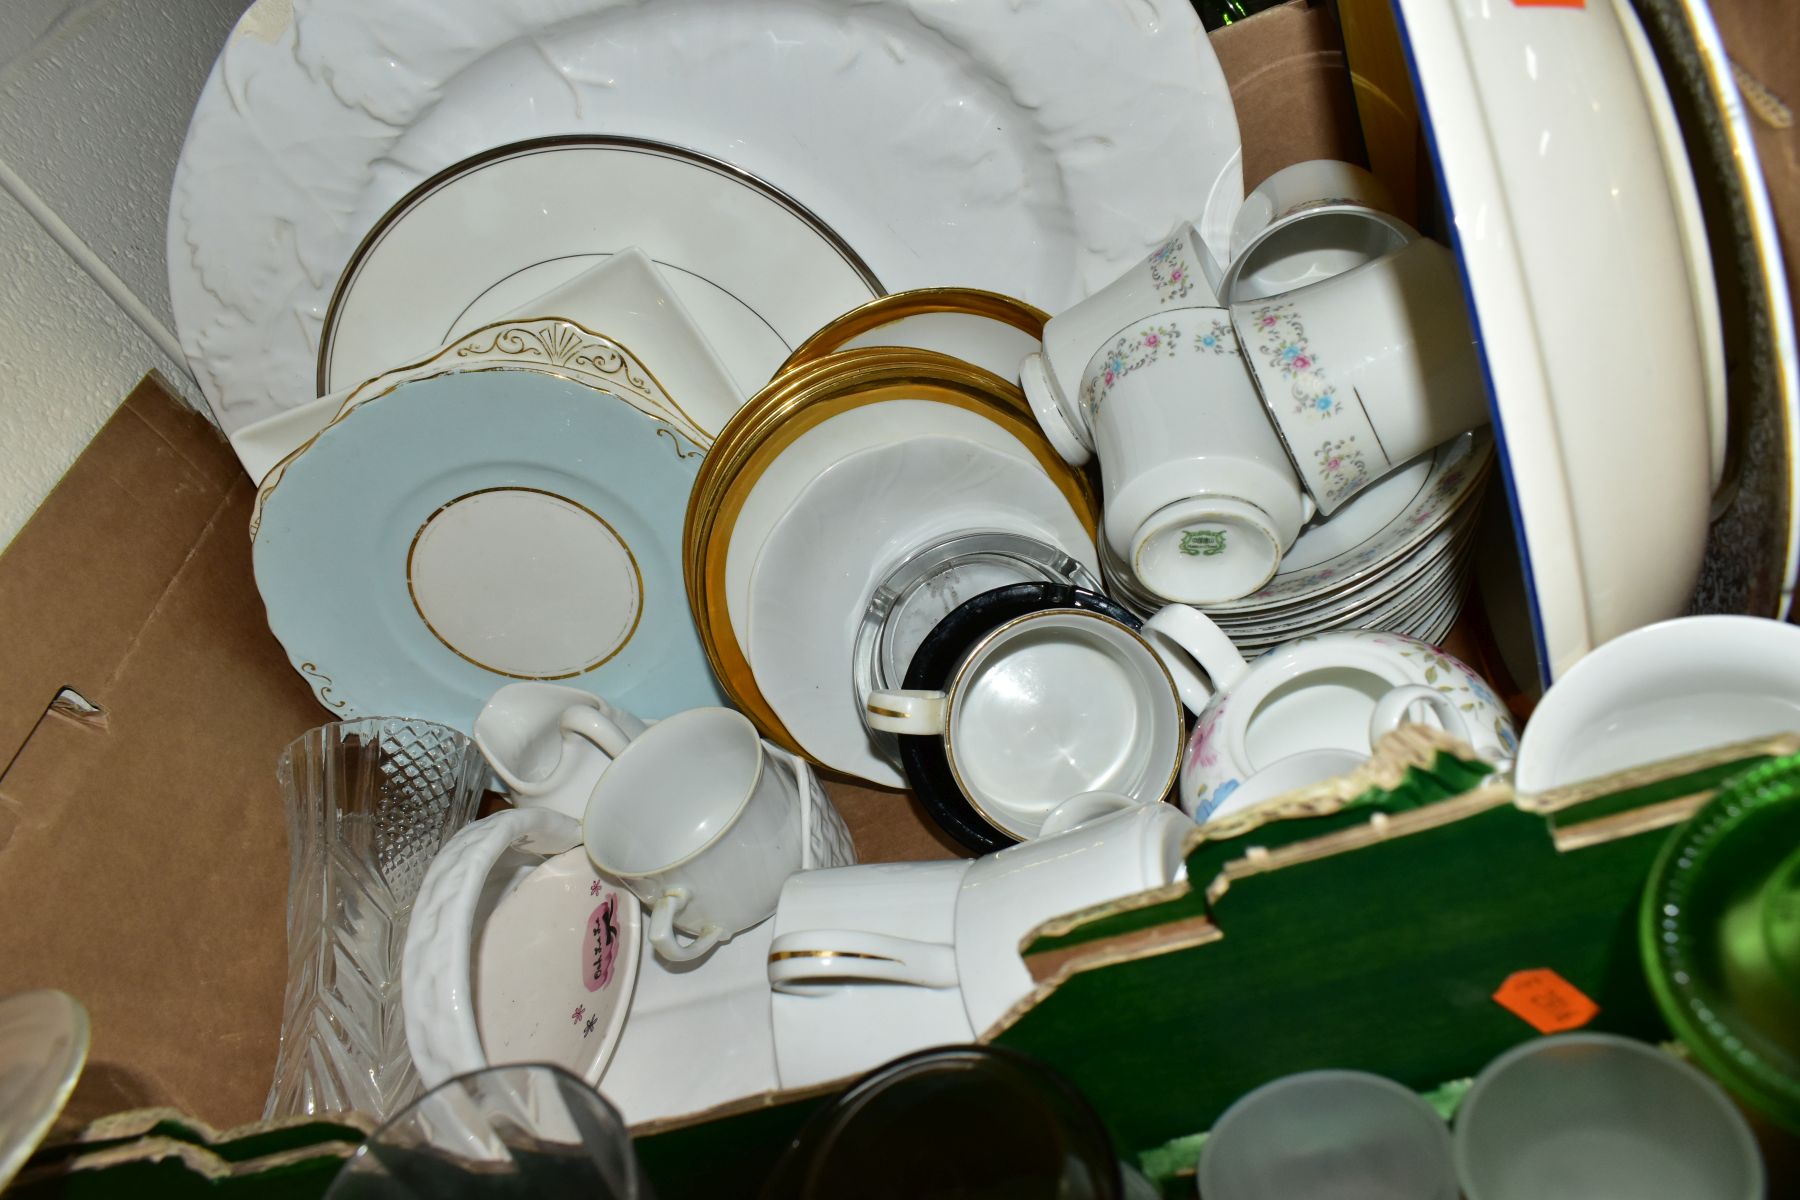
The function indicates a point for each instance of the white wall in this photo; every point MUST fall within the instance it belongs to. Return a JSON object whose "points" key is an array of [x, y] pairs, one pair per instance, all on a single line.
{"points": [[94, 102]]}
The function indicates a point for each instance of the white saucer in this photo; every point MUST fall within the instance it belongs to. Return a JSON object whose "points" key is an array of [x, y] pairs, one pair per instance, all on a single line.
{"points": [[645, 322], [1378, 527], [555, 967], [43, 1046], [826, 554], [698, 1033], [815, 451]]}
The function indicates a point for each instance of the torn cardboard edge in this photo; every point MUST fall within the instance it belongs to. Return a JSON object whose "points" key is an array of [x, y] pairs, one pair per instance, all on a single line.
{"points": [[139, 1122], [198, 1160], [1052, 968]]}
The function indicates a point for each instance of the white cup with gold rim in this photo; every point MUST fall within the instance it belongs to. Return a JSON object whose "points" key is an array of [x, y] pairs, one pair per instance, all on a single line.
{"points": [[693, 819], [1106, 848]]}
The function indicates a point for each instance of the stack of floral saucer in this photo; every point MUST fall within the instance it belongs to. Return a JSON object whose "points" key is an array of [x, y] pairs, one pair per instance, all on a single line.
{"points": [[1397, 558]]}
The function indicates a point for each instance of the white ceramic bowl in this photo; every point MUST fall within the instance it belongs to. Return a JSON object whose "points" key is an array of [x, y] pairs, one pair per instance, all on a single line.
{"points": [[437, 993], [1660, 692]]}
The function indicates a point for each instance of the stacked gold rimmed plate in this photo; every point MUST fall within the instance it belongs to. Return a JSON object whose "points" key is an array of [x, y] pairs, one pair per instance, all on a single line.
{"points": [[801, 400], [983, 328]]}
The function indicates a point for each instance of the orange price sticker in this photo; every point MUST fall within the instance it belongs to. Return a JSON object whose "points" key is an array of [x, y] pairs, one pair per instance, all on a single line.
{"points": [[1545, 1001]]}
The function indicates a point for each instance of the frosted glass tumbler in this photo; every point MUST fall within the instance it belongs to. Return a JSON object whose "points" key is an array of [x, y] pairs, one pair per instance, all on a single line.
{"points": [[1328, 1135], [1591, 1116]]}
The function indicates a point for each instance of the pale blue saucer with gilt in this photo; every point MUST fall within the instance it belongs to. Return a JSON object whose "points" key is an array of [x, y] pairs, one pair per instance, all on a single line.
{"points": [[454, 534]]}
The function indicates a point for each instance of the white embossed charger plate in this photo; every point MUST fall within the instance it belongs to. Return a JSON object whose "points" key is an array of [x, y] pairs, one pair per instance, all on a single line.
{"points": [[456, 533], [1031, 149]]}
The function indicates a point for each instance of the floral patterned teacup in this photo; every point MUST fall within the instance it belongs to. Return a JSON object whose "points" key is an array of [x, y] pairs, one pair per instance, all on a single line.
{"points": [[1308, 222], [1333, 691], [1366, 371], [1174, 274], [1200, 498]]}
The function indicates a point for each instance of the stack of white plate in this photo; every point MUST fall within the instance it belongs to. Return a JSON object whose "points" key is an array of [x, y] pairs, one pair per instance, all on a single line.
{"points": [[1395, 558]]}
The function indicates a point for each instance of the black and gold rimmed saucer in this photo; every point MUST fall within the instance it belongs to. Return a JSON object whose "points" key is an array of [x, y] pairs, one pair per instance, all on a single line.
{"points": [[863, 323]]}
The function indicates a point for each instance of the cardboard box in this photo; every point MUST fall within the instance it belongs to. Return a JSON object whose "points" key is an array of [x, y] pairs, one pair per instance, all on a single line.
{"points": [[143, 704]]}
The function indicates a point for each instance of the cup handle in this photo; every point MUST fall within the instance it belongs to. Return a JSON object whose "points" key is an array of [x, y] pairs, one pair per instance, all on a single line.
{"points": [[1197, 653], [1077, 811], [810, 962], [909, 712], [585, 721], [1392, 710], [662, 929]]}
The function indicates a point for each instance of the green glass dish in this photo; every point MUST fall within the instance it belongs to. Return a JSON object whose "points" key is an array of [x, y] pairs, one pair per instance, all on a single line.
{"points": [[1720, 934]]}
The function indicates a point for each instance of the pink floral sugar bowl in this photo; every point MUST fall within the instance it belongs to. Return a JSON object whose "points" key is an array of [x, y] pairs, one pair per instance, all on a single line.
{"points": [[1334, 691]]}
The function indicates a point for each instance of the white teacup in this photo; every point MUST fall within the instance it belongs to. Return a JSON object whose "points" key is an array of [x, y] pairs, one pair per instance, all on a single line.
{"points": [[695, 820], [1308, 222], [1200, 497], [549, 744], [828, 1027], [1077, 811], [1004, 896], [1366, 371], [1172, 276], [1047, 706], [807, 960]]}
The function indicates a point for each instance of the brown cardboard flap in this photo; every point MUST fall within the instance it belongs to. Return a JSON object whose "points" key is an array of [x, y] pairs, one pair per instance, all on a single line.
{"points": [[144, 855], [85, 572], [1291, 89], [143, 845]]}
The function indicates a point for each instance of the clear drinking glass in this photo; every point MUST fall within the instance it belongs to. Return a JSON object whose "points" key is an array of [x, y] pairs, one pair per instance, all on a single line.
{"points": [[369, 803], [524, 1131]]}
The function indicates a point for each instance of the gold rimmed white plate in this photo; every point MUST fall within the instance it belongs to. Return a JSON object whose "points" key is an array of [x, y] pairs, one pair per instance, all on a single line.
{"points": [[918, 393], [983, 328]]}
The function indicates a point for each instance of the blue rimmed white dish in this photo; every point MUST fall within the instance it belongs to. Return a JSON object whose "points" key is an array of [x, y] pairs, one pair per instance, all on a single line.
{"points": [[1570, 194]]}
